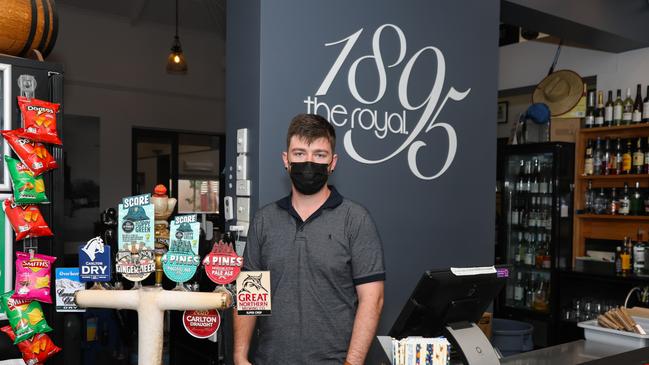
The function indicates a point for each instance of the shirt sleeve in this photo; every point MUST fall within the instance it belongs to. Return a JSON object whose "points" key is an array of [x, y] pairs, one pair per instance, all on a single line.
{"points": [[252, 252], [367, 251]]}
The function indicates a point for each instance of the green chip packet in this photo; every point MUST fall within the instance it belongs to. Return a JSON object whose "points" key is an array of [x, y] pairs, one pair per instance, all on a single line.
{"points": [[27, 188], [25, 317]]}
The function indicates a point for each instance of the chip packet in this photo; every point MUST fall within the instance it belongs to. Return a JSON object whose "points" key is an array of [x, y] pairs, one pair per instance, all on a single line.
{"points": [[36, 350], [33, 273], [25, 316], [39, 120], [27, 188], [26, 220], [33, 154]]}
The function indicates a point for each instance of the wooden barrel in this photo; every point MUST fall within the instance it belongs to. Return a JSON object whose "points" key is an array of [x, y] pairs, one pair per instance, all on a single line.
{"points": [[27, 25]]}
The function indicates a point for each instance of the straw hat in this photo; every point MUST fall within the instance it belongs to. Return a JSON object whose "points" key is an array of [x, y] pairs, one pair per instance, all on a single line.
{"points": [[560, 90]]}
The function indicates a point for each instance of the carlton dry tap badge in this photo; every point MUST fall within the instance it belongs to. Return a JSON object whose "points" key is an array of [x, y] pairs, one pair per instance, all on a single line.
{"points": [[253, 293], [135, 258], [181, 261], [94, 261]]}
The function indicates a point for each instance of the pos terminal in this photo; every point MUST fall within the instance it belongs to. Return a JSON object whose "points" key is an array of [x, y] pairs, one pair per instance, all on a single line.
{"points": [[449, 303]]}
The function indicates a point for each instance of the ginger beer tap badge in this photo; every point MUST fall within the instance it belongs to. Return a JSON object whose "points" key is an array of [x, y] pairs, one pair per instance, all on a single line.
{"points": [[135, 258], [181, 261]]}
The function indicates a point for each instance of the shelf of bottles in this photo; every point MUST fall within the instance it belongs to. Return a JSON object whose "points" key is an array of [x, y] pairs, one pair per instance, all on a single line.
{"points": [[529, 189]]}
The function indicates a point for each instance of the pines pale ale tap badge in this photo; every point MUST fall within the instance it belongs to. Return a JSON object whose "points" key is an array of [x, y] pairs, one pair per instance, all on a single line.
{"points": [[181, 261], [222, 265], [135, 258]]}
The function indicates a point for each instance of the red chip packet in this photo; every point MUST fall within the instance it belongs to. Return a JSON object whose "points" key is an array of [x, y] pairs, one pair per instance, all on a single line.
{"points": [[36, 350], [39, 120], [26, 220], [33, 154]]}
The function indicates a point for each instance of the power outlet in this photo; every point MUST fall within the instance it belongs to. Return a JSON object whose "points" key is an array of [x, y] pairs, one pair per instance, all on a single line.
{"points": [[243, 210], [242, 140], [242, 167], [243, 188]]}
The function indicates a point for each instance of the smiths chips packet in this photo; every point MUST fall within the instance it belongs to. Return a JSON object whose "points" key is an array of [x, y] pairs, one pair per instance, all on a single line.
{"points": [[25, 316], [27, 188], [39, 120], [26, 220], [36, 350], [33, 273], [33, 154]]}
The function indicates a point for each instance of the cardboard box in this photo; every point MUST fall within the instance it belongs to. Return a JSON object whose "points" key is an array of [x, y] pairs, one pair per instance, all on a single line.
{"points": [[564, 130], [485, 323]]}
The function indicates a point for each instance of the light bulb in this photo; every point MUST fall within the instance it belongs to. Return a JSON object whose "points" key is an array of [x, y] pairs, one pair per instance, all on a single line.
{"points": [[176, 59]]}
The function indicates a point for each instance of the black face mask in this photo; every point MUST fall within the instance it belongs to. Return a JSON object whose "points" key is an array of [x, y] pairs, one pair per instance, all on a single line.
{"points": [[309, 177]]}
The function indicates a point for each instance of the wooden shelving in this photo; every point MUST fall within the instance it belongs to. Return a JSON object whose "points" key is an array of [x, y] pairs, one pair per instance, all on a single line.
{"points": [[611, 227]]}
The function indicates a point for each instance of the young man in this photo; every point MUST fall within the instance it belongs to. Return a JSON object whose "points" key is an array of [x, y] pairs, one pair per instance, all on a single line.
{"points": [[325, 260]]}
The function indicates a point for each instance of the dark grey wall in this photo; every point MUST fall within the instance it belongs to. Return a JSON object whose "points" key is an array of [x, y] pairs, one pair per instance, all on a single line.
{"points": [[424, 224]]}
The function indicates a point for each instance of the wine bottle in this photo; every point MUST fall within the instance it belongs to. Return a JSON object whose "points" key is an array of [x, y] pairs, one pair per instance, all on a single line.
{"points": [[645, 107], [637, 106], [588, 160], [608, 110], [638, 157], [618, 106], [599, 112], [627, 108], [589, 120]]}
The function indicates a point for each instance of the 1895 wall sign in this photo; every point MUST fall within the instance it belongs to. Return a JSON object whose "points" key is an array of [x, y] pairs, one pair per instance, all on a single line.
{"points": [[396, 122]]}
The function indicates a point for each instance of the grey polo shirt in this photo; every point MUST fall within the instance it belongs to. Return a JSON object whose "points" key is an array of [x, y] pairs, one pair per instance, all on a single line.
{"points": [[314, 268]]}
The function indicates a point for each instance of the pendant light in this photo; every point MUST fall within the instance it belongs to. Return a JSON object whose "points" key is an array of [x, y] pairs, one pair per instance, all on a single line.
{"points": [[176, 63]]}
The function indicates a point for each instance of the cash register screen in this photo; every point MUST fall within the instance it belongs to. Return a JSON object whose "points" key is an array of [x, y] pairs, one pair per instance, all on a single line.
{"points": [[441, 297]]}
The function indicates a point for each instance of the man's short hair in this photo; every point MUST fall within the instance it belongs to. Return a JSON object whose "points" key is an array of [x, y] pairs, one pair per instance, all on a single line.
{"points": [[310, 127]]}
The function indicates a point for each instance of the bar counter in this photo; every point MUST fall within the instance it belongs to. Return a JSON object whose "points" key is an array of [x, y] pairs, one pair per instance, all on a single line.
{"points": [[580, 352]]}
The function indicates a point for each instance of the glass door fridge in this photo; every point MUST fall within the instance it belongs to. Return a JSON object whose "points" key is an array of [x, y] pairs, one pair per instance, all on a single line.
{"points": [[535, 232]]}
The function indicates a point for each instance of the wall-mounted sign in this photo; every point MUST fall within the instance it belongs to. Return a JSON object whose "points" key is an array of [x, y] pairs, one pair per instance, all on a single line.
{"points": [[415, 117]]}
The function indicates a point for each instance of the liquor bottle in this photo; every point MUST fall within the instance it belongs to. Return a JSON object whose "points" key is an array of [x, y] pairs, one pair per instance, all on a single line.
{"points": [[646, 157], [516, 213], [637, 201], [618, 260], [536, 178], [540, 297], [617, 159], [618, 106], [540, 251], [529, 254], [520, 178], [589, 120], [614, 205], [528, 177], [517, 249], [608, 110], [597, 157], [547, 257], [545, 179], [589, 200], [645, 107], [607, 157], [625, 257], [601, 203], [523, 248], [639, 255], [599, 112], [519, 290], [625, 201], [627, 158], [627, 108], [638, 157], [529, 292], [637, 106]]}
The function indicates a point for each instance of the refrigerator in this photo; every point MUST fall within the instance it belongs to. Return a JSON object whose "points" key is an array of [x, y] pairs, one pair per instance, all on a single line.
{"points": [[42, 80], [534, 232]]}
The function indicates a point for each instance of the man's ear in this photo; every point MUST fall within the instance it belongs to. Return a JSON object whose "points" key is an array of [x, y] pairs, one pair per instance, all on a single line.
{"points": [[285, 160], [334, 161]]}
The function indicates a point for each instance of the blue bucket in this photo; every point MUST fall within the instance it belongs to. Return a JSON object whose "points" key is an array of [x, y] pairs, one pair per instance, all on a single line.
{"points": [[511, 337]]}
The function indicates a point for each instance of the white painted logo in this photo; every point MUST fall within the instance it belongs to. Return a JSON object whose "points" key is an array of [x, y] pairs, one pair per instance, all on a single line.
{"points": [[391, 122]]}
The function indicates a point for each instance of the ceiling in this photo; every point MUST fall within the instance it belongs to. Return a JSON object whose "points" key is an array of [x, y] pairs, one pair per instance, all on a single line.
{"points": [[201, 15]]}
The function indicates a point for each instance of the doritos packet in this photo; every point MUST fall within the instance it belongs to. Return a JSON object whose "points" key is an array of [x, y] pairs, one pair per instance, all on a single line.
{"points": [[25, 316], [27, 188], [33, 276], [26, 220], [39, 120], [36, 350], [33, 154]]}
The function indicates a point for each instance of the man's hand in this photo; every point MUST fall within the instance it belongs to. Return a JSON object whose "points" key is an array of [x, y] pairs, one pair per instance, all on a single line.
{"points": [[243, 327], [370, 304]]}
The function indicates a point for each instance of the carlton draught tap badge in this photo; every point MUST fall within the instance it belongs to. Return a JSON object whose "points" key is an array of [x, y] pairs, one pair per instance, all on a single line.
{"points": [[181, 261], [135, 260]]}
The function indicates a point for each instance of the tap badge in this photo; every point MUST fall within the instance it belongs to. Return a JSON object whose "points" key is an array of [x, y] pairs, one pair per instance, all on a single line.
{"points": [[94, 261], [135, 258], [222, 265], [181, 261], [253, 293]]}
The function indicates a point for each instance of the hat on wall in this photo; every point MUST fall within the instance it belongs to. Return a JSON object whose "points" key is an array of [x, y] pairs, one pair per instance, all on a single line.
{"points": [[560, 91]]}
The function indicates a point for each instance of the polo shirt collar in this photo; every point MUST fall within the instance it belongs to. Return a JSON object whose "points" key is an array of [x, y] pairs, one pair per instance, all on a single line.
{"points": [[334, 200]]}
